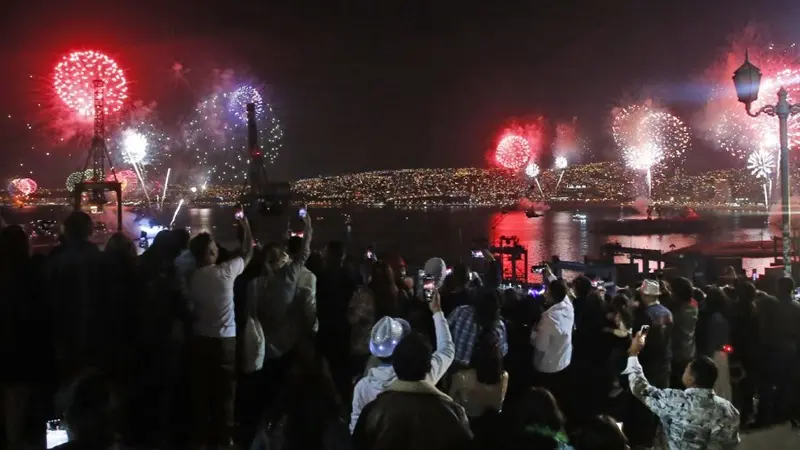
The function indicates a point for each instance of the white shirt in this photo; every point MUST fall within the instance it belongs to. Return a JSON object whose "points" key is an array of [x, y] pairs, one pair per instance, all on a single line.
{"points": [[552, 338], [211, 294]]}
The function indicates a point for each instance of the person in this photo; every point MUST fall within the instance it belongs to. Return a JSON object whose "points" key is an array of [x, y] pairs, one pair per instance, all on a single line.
{"points": [[74, 270], [685, 312], [468, 321], [26, 353], [656, 359], [552, 338], [716, 328], [385, 336], [461, 292], [213, 351], [412, 413], [601, 433], [692, 419], [91, 414], [335, 287], [378, 298], [184, 261], [282, 295], [481, 389], [308, 413], [534, 421], [778, 353]]}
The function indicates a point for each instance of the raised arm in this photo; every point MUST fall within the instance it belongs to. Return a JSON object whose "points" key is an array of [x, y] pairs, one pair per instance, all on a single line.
{"points": [[445, 352], [247, 241], [659, 401]]}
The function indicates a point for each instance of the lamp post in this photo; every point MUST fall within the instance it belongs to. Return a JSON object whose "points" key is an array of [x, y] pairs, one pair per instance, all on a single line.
{"points": [[747, 80]]}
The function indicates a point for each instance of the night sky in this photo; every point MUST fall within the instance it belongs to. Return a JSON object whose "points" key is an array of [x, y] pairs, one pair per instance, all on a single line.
{"points": [[361, 85]]}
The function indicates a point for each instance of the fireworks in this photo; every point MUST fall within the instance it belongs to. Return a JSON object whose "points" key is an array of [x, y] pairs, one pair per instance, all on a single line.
{"points": [[532, 170], [239, 100], [127, 179], [649, 139], [561, 163], [22, 186], [731, 129], [73, 82], [513, 152], [76, 177], [760, 163], [134, 146], [220, 144]]}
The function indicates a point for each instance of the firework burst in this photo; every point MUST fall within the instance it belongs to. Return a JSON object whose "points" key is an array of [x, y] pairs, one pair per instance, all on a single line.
{"points": [[729, 126], [761, 163], [218, 138], [74, 77], [22, 186], [241, 97], [76, 177], [650, 140], [513, 152]]}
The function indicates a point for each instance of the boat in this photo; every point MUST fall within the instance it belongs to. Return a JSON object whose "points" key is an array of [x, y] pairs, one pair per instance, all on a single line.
{"points": [[532, 214], [638, 227]]}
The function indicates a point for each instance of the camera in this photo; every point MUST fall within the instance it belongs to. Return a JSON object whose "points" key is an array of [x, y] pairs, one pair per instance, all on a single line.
{"points": [[538, 269], [428, 286]]}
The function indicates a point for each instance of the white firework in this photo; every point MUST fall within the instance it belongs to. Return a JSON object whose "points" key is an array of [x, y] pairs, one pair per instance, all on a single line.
{"points": [[532, 170], [134, 146], [561, 163], [761, 163]]}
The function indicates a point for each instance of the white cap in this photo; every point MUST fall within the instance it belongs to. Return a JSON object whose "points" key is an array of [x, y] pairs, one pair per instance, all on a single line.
{"points": [[386, 334], [650, 287]]}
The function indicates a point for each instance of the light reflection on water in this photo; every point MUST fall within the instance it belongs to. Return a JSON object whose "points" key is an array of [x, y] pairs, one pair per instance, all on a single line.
{"points": [[420, 234]]}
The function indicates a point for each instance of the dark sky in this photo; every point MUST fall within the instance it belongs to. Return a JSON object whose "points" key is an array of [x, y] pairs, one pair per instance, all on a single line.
{"points": [[377, 84]]}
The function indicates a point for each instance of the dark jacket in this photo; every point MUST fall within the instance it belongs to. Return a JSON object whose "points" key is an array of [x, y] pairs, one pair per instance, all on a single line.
{"points": [[412, 415]]}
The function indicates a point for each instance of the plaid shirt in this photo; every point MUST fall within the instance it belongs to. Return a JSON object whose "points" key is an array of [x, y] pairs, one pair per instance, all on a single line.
{"points": [[693, 419], [465, 333]]}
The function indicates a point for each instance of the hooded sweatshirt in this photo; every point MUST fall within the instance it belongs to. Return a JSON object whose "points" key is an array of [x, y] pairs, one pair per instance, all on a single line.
{"points": [[379, 378]]}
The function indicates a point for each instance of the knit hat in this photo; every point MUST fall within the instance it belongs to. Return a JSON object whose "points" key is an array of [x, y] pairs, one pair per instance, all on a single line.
{"points": [[386, 334]]}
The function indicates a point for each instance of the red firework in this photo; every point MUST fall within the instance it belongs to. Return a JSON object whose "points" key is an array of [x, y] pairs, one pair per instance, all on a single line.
{"points": [[513, 152], [74, 77], [22, 186], [127, 178]]}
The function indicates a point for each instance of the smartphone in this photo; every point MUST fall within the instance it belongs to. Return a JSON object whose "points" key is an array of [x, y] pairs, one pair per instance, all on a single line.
{"points": [[56, 434], [369, 255], [302, 212], [644, 329], [448, 271], [239, 214], [428, 285], [754, 276], [293, 234], [477, 254]]}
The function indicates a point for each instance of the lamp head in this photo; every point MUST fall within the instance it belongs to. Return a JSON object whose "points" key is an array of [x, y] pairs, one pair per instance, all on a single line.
{"points": [[747, 80]]}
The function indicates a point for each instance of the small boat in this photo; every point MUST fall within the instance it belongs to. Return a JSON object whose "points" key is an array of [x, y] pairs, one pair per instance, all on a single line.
{"points": [[532, 214]]}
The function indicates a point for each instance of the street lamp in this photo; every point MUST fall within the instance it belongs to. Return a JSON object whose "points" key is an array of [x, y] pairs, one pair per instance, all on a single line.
{"points": [[747, 80]]}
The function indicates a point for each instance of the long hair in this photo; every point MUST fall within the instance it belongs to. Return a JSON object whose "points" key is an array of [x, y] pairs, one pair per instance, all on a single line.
{"points": [[385, 289], [487, 359]]}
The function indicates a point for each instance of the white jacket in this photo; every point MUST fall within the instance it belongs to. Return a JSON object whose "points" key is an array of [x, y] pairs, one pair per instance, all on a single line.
{"points": [[378, 378]]}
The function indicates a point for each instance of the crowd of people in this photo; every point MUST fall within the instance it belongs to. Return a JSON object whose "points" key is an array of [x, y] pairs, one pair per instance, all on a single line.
{"points": [[193, 345]]}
